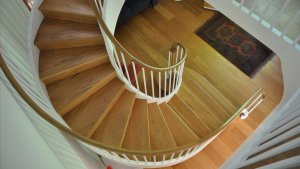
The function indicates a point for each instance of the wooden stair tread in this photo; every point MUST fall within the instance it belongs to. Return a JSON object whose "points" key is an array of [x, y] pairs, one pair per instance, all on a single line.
{"points": [[72, 10], [67, 93], [211, 90], [160, 135], [198, 108], [58, 34], [189, 117], [112, 130], [219, 112], [181, 133], [58, 64], [137, 135], [86, 117]]}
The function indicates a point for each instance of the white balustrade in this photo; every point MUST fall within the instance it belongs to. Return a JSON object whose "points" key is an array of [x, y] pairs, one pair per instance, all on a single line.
{"points": [[285, 31]]}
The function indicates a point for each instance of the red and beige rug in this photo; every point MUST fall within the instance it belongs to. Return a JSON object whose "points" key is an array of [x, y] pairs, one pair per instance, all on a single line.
{"points": [[235, 44]]}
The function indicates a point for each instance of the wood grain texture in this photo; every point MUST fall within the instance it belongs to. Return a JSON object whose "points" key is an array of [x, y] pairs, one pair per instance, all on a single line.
{"points": [[67, 93], [71, 10], [215, 154], [145, 34], [189, 117], [198, 108], [160, 135], [206, 99], [87, 116], [210, 90], [58, 34], [152, 37], [113, 128], [217, 111], [180, 131], [58, 64], [137, 134]]}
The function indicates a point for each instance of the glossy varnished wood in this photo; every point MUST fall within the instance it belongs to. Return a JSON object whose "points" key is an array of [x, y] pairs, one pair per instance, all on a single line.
{"points": [[149, 34], [58, 64], [218, 79], [195, 123], [67, 93], [113, 128], [181, 132], [137, 134], [71, 10], [160, 135], [198, 108], [212, 93], [205, 101], [86, 117], [59, 34]]}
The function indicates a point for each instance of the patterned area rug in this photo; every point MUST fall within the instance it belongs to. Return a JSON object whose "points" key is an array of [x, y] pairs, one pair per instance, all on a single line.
{"points": [[235, 44]]}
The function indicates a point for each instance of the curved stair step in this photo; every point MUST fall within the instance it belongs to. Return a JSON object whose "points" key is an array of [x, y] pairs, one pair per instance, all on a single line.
{"points": [[189, 117], [180, 131], [58, 34], [220, 113], [71, 10], [210, 90], [67, 93], [137, 135], [58, 64], [112, 129], [160, 134], [198, 108], [86, 117]]}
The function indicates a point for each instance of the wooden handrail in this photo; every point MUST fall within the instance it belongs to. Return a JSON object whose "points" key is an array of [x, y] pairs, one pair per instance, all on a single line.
{"points": [[28, 4], [124, 51], [91, 142]]}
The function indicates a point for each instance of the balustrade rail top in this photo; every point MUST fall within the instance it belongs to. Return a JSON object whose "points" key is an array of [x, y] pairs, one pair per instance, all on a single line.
{"points": [[91, 142], [127, 53]]}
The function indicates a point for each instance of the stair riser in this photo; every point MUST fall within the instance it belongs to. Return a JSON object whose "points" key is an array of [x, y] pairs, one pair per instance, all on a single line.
{"points": [[72, 43], [96, 125], [74, 70], [70, 17], [87, 94]]}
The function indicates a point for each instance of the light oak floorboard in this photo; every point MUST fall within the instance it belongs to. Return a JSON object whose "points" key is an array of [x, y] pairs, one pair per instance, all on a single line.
{"points": [[177, 22]]}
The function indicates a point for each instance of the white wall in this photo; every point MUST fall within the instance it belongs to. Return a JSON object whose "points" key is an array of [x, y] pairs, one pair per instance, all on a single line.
{"points": [[289, 56], [290, 61], [112, 9], [21, 145]]}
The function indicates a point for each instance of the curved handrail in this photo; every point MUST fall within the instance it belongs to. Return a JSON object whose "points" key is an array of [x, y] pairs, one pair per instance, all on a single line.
{"points": [[123, 50], [156, 84], [65, 129], [97, 144]]}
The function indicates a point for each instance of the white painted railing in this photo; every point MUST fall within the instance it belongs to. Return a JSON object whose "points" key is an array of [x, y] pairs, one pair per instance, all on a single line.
{"points": [[16, 27], [248, 110], [277, 135], [276, 24], [19, 71], [280, 17], [148, 82]]}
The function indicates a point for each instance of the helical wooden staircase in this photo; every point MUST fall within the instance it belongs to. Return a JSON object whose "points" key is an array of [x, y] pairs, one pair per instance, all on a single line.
{"points": [[85, 90]]}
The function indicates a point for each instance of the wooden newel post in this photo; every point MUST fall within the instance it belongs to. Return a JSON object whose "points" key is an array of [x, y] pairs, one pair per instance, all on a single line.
{"points": [[173, 52]]}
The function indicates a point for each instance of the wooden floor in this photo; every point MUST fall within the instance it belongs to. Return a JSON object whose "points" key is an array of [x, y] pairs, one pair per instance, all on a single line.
{"points": [[149, 35]]}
